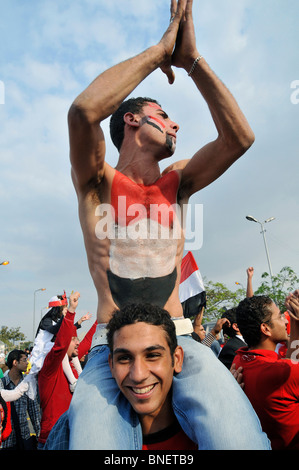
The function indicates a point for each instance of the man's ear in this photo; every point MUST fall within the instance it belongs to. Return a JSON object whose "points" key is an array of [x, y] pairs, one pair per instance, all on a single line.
{"points": [[265, 329], [131, 119], [178, 359]]}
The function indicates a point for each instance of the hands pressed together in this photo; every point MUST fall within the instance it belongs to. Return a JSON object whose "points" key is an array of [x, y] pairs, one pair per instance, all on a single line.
{"points": [[179, 41], [292, 304]]}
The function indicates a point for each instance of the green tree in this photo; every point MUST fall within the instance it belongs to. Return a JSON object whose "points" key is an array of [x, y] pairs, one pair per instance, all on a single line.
{"points": [[284, 282], [10, 335], [218, 297]]}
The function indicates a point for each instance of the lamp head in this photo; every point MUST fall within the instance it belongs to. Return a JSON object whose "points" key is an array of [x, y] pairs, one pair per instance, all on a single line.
{"points": [[252, 219]]}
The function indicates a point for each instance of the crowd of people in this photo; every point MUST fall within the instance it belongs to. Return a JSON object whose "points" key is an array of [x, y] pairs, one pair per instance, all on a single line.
{"points": [[152, 381], [145, 354], [37, 385], [261, 350]]}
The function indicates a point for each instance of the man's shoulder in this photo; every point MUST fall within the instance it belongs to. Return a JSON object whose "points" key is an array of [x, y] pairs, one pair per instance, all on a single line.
{"points": [[232, 344], [236, 342]]}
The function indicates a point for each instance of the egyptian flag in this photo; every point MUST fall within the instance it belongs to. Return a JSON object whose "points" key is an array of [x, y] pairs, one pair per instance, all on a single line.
{"points": [[191, 291]]}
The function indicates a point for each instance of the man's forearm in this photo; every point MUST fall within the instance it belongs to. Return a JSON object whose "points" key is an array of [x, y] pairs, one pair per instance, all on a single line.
{"points": [[108, 90], [230, 122], [249, 289], [104, 95], [209, 339]]}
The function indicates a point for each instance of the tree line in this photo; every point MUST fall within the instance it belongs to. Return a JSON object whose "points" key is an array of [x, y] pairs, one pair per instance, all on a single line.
{"points": [[220, 297]]}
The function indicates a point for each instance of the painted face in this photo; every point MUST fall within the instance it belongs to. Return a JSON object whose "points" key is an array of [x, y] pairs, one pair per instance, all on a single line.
{"points": [[143, 367], [157, 118]]}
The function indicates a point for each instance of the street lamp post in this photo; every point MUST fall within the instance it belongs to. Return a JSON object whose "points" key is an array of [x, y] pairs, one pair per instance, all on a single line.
{"points": [[33, 331], [41, 312], [253, 219], [4, 263]]}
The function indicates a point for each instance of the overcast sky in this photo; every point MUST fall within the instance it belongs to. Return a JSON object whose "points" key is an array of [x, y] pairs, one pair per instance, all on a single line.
{"points": [[50, 50]]}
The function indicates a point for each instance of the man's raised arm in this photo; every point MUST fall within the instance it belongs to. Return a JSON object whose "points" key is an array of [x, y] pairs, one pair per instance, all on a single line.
{"points": [[234, 133], [105, 94]]}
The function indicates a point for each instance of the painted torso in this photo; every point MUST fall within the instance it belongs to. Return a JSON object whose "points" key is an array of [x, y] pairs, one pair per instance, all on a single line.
{"points": [[135, 243]]}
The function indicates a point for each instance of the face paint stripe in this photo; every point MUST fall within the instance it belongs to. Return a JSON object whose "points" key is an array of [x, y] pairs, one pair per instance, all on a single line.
{"points": [[146, 120], [155, 126], [158, 120]]}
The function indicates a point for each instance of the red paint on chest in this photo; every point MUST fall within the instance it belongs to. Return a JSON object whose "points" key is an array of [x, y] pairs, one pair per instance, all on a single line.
{"points": [[132, 201]]}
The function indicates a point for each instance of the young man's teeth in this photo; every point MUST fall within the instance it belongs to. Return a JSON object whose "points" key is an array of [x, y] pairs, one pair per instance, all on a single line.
{"points": [[142, 390]]}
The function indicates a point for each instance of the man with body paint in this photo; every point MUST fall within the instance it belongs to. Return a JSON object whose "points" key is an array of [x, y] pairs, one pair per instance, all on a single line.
{"points": [[137, 258]]}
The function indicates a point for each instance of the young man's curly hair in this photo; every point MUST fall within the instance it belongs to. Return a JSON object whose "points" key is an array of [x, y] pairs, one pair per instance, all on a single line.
{"points": [[251, 313]]}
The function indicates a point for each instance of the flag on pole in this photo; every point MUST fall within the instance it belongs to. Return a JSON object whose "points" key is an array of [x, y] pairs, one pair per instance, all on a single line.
{"points": [[191, 291]]}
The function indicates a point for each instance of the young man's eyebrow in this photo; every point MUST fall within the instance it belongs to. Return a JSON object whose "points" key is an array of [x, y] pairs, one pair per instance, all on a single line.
{"points": [[154, 347], [163, 113], [121, 351]]}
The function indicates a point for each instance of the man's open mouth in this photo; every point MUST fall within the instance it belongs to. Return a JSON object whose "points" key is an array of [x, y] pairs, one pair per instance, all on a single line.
{"points": [[142, 391]]}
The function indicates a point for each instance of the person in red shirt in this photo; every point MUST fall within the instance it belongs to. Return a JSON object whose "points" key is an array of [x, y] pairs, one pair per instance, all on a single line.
{"points": [[5, 420], [281, 348], [54, 391], [270, 381], [144, 356]]}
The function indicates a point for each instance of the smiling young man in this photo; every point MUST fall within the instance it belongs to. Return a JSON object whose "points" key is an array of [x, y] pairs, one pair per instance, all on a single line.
{"points": [[271, 382], [144, 356]]}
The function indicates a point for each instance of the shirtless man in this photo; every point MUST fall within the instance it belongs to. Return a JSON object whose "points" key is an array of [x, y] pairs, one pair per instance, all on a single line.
{"points": [[134, 252], [149, 137]]}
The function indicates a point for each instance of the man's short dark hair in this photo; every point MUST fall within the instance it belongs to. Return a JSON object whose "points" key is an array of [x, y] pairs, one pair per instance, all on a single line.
{"points": [[251, 313], [16, 354], [231, 315], [134, 313], [132, 105]]}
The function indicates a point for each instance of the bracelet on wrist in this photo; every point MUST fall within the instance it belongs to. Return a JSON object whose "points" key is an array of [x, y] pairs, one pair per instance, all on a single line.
{"points": [[194, 65]]}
